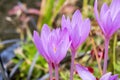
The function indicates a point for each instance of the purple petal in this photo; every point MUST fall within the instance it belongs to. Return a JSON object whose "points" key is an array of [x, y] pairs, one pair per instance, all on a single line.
{"points": [[63, 22], [51, 46], [114, 77], [76, 18], [85, 29], [103, 9], [69, 25], [75, 37], [97, 16], [68, 21], [44, 36], [62, 48], [115, 8], [39, 46], [116, 24], [106, 76], [84, 73], [107, 24], [58, 45]]}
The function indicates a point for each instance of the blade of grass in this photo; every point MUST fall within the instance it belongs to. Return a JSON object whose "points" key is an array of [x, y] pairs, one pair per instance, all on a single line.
{"points": [[3, 71], [32, 66], [46, 12], [114, 52], [15, 68], [56, 10]]}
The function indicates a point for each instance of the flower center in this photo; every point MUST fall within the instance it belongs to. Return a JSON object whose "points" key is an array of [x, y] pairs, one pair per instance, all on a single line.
{"points": [[54, 49]]}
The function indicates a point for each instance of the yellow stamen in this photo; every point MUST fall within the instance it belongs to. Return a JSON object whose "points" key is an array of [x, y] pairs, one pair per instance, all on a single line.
{"points": [[54, 49]]}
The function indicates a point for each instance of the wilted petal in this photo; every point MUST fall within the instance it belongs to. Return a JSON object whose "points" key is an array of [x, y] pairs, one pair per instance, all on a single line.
{"points": [[84, 73], [33, 11], [106, 76], [16, 10]]}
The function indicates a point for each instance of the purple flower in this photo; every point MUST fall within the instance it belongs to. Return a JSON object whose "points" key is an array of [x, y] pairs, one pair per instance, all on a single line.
{"points": [[109, 23], [42, 41], [109, 17], [78, 29], [52, 45], [86, 75], [58, 45]]}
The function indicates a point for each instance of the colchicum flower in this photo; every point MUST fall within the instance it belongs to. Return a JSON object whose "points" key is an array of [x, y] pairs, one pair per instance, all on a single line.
{"points": [[52, 45], [78, 32], [108, 21], [86, 75]]}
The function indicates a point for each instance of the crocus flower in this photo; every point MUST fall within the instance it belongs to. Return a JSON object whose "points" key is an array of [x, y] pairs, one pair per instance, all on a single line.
{"points": [[40, 43], [109, 23], [52, 45], [86, 75], [78, 32]]}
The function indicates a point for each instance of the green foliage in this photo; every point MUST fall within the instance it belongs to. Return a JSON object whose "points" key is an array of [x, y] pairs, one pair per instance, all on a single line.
{"points": [[28, 53], [50, 11], [65, 76]]}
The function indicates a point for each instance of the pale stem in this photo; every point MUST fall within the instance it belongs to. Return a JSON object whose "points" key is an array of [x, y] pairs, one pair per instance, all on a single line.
{"points": [[105, 56], [56, 72], [50, 70], [72, 65]]}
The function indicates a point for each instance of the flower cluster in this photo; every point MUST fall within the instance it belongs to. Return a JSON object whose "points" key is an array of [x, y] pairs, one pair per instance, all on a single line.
{"points": [[54, 44]]}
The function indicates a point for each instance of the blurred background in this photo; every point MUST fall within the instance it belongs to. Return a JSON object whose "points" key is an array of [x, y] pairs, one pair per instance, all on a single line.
{"points": [[19, 58]]}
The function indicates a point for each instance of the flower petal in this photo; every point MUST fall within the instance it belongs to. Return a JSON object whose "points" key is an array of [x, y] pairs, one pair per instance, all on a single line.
{"points": [[116, 24], [39, 46], [97, 16], [114, 77], [107, 24], [103, 9], [75, 37], [115, 8], [62, 48], [84, 73], [63, 22], [76, 18], [85, 29], [51, 46], [44, 37], [106, 76]]}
